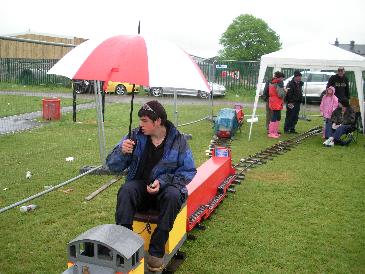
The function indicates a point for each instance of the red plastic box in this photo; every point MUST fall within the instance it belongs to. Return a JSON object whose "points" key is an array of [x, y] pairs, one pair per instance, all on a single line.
{"points": [[51, 109]]}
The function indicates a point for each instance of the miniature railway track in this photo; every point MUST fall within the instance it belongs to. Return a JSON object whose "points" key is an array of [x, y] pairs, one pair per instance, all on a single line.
{"points": [[227, 185], [245, 164], [261, 157]]}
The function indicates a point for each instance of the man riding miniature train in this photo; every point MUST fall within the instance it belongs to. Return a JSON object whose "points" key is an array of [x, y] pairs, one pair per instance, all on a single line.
{"points": [[160, 165]]}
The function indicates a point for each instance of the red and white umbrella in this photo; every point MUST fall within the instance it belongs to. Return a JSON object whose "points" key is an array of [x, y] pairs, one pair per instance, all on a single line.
{"points": [[134, 59]]}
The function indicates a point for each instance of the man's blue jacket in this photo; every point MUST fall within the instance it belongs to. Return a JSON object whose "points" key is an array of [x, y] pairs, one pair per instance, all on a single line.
{"points": [[176, 167]]}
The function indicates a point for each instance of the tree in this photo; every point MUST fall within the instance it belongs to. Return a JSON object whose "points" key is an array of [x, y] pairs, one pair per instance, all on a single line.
{"points": [[248, 38]]}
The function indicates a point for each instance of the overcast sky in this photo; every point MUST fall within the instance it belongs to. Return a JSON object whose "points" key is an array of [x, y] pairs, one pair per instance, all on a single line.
{"points": [[194, 25]]}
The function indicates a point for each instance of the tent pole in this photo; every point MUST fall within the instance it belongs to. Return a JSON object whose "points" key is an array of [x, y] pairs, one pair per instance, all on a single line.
{"points": [[304, 111], [175, 106]]}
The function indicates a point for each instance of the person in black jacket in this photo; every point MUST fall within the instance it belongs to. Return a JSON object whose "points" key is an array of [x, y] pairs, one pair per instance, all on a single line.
{"points": [[341, 84], [343, 119], [293, 100]]}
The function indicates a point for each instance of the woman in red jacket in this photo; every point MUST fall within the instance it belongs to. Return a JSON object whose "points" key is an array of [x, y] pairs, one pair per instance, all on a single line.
{"points": [[276, 101]]}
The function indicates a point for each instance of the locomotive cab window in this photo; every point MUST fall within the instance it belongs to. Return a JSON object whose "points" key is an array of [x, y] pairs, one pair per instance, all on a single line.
{"points": [[135, 258], [105, 253], [120, 260], [87, 249], [73, 251]]}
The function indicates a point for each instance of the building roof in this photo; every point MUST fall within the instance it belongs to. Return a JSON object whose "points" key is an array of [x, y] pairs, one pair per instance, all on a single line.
{"points": [[47, 37], [352, 47], [358, 49], [38, 33]]}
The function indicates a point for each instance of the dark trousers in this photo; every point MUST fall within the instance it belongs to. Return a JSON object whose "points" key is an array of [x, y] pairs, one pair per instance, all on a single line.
{"points": [[328, 128], [133, 196], [276, 115], [291, 117], [341, 130]]}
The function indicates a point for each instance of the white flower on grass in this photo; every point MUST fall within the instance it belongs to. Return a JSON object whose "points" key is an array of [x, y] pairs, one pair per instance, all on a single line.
{"points": [[70, 159], [28, 175]]}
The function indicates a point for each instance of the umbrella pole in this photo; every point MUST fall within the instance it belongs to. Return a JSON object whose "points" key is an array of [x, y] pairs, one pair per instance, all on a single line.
{"points": [[133, 87], [99, 114], [131, 114]]}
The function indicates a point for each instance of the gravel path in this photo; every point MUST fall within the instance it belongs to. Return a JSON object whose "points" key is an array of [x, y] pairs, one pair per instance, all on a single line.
{"points": [[17, 123]]}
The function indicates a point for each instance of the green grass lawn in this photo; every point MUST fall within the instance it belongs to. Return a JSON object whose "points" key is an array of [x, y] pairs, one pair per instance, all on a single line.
{"points": [[303, 212], [239, 95], [14, 104], [34, 88]]}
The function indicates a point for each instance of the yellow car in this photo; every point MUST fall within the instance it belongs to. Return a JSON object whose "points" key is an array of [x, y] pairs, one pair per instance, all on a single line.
{"points": [[120, 88]]}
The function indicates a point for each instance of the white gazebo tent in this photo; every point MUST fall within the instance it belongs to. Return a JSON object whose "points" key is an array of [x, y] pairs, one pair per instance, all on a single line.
{"points": [[314, 57]]}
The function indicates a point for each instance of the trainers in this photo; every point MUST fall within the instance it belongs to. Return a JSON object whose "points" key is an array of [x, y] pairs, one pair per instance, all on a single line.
{"points": [[330, 144], [154, 264], [326, 143]]}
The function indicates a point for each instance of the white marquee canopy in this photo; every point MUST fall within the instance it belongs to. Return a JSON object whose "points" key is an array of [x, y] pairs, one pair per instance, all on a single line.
{"points": [[313, 56]]}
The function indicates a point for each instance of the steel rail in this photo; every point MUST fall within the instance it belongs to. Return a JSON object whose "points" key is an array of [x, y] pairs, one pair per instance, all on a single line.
{"points": [[47, 190], [264, 155]]}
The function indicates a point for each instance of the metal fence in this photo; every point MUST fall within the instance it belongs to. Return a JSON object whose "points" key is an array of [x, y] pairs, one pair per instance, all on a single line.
{"points": [[232, 74], [30, 72]]}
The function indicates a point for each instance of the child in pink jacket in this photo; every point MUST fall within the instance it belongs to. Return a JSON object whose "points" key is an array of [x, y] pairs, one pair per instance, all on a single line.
{"points": [[328, 104]]}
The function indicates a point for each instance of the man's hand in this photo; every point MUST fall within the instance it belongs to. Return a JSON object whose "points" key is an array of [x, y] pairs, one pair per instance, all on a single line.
{"points": [[154, 187], [127, 146], [334, 126]]}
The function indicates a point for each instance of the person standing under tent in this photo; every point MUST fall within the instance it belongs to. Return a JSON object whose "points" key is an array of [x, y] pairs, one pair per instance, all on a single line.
{"points": [[276, 95], [160, 165], [265, 97], [341, 84], [293, 100], [328, 104]]}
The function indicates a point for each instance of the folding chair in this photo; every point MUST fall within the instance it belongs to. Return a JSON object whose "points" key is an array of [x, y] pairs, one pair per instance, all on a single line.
{"points": [[353, 134]]}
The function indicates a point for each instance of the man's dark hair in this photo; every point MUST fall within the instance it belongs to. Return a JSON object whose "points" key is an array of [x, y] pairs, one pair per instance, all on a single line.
{"points": [[153, 110]]}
